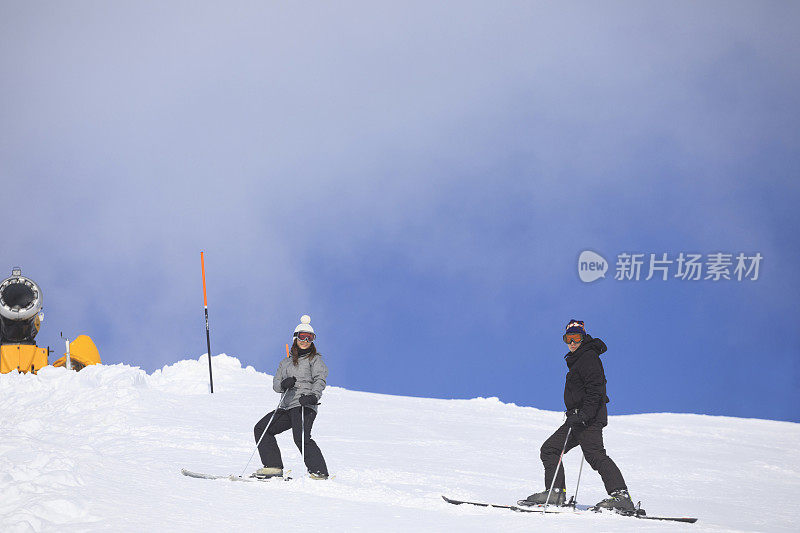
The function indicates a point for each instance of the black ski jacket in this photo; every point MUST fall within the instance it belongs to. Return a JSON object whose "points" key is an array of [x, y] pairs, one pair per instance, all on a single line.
{"points": [[585, 388]]}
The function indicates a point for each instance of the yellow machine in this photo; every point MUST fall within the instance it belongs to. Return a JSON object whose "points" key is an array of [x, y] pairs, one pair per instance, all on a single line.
{"points": [[22, 357], [82, 352], [20, 319]]}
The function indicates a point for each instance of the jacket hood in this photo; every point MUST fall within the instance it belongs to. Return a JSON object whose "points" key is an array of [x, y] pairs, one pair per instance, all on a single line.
{"points": [[595, 344], [589, 343]]}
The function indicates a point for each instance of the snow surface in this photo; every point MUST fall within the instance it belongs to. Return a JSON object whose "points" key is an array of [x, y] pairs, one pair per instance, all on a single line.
{"points": [[102, 450]]}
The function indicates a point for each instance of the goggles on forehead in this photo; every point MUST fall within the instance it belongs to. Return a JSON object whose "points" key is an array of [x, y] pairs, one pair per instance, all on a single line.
{"points": [[575, 338], [306, 336]]}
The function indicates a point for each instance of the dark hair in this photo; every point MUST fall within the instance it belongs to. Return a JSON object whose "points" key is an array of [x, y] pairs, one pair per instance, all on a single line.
{"points": [[296, 355]]}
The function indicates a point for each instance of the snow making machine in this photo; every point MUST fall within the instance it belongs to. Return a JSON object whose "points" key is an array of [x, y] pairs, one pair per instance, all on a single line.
{"points": [[20, 319]]}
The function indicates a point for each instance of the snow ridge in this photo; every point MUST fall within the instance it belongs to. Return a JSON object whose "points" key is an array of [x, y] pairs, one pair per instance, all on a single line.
{"points": [[102, 450]]}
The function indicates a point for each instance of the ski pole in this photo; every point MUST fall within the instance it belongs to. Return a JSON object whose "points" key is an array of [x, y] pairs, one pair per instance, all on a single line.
{"points": [[303, 434], [547, 501], [263, 433], [208, 334], [578, 484]]}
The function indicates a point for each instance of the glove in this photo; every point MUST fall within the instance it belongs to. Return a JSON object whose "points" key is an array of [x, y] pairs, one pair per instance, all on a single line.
{"points": [[576, 419], [307, 399], [288, 383]]}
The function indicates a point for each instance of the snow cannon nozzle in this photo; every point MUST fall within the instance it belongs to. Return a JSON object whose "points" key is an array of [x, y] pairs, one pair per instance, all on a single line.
{"points": [[20, 305]]}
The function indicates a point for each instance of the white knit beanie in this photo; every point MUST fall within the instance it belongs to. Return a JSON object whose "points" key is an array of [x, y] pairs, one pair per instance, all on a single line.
{"points": [[304, 326]]}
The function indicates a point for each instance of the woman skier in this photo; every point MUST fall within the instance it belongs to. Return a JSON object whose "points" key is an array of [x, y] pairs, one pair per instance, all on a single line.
{"points": [[301, 378], [585, 399]]}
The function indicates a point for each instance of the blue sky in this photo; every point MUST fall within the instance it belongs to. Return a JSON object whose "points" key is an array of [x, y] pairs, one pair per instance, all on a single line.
{"points": [[420, 179]]}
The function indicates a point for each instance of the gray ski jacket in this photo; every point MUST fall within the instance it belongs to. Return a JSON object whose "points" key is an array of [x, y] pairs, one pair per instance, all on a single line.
{"points": [[311, 373]]}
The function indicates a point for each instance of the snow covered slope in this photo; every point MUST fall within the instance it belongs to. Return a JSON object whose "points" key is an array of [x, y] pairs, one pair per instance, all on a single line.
{"points": [[102, 450]]}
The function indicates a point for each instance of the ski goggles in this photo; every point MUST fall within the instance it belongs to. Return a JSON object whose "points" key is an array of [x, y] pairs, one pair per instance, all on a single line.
{"points": [[575, 338], [305, 336]]}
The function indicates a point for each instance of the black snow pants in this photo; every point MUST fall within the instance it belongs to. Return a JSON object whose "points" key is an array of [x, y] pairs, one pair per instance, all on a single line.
{"points": [[268, 448], [591, 442]]}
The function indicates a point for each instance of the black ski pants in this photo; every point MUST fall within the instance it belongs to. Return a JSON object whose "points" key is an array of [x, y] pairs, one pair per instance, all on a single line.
{"points": [[590, 440], [285, 419]]}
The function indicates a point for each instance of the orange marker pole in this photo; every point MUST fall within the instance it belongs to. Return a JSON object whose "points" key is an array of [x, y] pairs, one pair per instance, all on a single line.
{"points": [[208, 333]]}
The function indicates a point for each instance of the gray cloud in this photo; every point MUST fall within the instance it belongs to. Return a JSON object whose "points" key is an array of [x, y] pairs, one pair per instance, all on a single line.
{"points": [[271, 134]]}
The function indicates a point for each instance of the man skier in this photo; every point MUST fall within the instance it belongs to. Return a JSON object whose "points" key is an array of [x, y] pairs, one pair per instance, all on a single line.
{"points": [[585, 399]]}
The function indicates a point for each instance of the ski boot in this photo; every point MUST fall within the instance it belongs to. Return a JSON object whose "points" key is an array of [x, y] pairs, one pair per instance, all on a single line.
{"points": [[557, 497], [317, 475], [619, 500], [268, 472]]}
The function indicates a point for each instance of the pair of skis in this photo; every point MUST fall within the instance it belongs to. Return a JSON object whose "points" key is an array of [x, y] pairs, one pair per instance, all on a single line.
{"points": [[553, 509], [561, 510], [231, 477]]}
